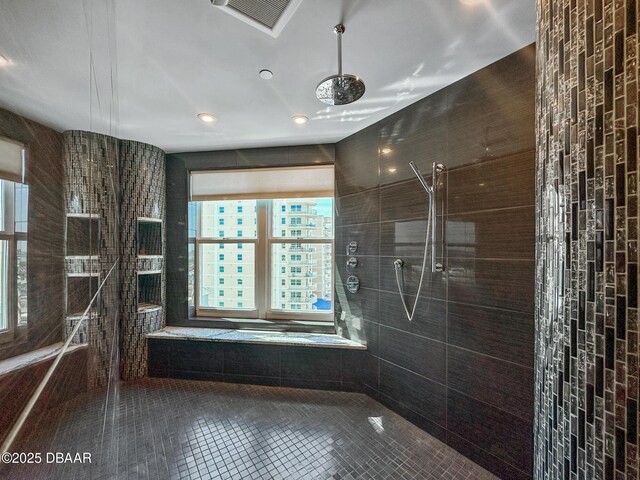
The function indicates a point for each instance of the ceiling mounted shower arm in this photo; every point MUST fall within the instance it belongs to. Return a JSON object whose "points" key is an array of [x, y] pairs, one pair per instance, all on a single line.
{"points": [[339, 29]]}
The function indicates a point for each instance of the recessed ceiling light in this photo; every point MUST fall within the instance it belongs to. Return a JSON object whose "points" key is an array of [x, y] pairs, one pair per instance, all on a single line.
{"points": [[206, 117], [392, 170], [266, 74], [3, 61], [300, 119], [386, 150]]}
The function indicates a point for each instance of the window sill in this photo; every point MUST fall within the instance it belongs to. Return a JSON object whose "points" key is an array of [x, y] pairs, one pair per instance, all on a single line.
{"points": [[256, 337], [24, 360], [302, 326]]}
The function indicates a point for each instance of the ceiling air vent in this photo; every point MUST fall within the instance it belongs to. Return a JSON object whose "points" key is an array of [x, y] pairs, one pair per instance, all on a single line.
{"points": [[269, 16]]}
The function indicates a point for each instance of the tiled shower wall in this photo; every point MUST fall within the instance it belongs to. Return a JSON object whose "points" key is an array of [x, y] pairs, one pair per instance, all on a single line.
{"points": [[587, 372], [118, 181], [91, 187], [142, 182], [463, 369], [45, 275]]}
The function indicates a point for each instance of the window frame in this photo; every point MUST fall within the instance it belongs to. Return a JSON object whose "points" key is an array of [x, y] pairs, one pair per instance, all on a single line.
{"points": [[9, 234], [263, 274]]}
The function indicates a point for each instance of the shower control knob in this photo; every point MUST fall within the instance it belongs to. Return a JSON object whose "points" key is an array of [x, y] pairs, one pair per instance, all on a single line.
{"points": [[352, 263], [352, 247], [353, 284]]}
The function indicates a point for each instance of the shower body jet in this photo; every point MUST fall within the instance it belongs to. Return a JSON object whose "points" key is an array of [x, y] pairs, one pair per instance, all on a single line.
{"points": [[430, 236]]}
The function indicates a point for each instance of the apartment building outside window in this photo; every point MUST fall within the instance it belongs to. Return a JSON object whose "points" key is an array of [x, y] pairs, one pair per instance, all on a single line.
{"points": [[283, 263]]}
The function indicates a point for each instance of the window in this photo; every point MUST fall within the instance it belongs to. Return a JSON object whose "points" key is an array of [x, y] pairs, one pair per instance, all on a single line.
{"points": [[285, 274], [221, 221], [14, 199], [221, 210]]}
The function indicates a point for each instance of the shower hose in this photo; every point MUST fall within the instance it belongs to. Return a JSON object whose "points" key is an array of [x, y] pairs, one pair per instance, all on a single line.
{"points": [[398, 264]]}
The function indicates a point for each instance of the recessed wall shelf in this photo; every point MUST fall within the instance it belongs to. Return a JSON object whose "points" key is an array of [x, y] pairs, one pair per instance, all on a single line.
{"points": [[148, 307], [83, 234], [149, 237], [149, 290], [83, 215], [80, 290]]}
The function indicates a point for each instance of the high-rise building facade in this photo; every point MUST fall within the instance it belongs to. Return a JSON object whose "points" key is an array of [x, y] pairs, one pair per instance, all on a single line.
{"points": [[300, 233]]}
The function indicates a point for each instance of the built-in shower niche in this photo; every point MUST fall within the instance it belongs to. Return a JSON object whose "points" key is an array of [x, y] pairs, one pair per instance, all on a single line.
{"points": [[83, 233], [80, 291], [149, 237], [149, 291]]}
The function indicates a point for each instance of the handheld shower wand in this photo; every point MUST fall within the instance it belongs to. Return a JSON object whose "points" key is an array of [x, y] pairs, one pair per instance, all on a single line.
{"points": [[398, 264], [417, 173]]}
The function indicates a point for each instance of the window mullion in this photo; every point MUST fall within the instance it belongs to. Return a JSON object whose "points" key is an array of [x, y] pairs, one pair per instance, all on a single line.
{"points": [[262, 259]]}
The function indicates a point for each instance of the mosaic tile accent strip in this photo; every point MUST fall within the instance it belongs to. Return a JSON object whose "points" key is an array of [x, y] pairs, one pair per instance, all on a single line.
{"points": [[176, 429], [587, 373], [142, 213], [248, 336], [91, 188]]}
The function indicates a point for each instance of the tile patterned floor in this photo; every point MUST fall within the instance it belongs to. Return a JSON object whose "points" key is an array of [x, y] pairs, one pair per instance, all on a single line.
{"points": [[176, 429]]}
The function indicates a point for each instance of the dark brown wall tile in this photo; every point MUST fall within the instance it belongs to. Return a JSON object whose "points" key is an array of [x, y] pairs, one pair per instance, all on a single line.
{"points": [[503, 435], [504, 385], [492, 283], [353, 311], [485, 459], [509, 233], [434, 284], [312, 154], [366, 235], [496, 183], [366, 270], [406, 238], [358, 208], [413, 391], [428, 321], [407, 199], [417, 134], [492, 112], [359, 171], [500, 333], [418, 354], [262, 157]]}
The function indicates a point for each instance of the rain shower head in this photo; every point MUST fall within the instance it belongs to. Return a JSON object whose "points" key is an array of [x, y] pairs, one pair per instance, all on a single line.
{"points": [[343, 88]]}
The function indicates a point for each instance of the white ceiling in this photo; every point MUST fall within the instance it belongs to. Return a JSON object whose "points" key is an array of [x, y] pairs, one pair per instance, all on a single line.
{"points": [[174, 58]]}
